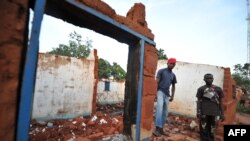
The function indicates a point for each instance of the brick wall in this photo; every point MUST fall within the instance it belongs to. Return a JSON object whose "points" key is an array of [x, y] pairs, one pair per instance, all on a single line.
{"points": [[149, 90], [95, 82], [231, 98], [13, 42]]}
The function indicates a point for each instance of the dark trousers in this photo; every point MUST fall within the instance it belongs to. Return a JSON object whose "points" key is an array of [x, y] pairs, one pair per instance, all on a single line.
{"points": [[207, 128]]}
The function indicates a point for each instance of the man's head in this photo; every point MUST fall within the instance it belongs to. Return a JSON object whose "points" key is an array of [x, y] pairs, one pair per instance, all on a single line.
{"points": [[208, 78], [171, 63]]}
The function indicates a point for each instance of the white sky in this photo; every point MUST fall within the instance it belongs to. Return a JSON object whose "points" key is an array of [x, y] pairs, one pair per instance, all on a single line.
{"points": [[210, 32]]}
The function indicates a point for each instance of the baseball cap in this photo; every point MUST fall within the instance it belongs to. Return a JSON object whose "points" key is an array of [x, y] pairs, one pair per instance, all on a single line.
{"points": [[172, 60]]}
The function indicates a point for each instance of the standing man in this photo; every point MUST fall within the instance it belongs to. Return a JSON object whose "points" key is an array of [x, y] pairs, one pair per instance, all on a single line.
{"points": [[165, 78], [209, 107]]}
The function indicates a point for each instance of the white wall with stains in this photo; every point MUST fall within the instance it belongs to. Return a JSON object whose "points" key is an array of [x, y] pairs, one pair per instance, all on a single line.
{"points": [[64, 87], [115, 95], [189, 79]]}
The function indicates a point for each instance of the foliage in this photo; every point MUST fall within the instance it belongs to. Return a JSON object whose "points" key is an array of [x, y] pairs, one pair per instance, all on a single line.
{"points": [[117, 72], [241, 75], [161, 54], [78, 49], [105, 70], [242, 109], [75, 48]]}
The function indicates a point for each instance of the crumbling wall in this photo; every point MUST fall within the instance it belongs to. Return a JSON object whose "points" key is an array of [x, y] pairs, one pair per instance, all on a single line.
{"points": [[229, 102], [185, 97], [135, 18], [149, 91], [13, 43], [64, 87], [95, 82]]}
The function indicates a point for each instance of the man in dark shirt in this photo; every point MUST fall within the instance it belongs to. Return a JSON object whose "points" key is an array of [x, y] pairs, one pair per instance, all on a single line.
{"points": [[209, 107], [165, 78]]}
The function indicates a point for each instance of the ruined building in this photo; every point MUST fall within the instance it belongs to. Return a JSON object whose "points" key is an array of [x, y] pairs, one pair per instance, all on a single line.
{"points": [[18, 60]]}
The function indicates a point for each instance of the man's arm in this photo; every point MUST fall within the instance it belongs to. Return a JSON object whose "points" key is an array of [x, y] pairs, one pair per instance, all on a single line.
{"points": [[198, 102], [198, 107], [221, 105], [221, 110], [172, 92]]}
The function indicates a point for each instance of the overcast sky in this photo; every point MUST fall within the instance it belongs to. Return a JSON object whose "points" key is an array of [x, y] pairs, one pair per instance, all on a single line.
{"points": [[210, 32]]}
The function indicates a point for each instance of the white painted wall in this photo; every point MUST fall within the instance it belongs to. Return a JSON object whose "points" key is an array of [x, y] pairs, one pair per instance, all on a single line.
{"points": [[64, 87], [115, 95], [189, 79]]}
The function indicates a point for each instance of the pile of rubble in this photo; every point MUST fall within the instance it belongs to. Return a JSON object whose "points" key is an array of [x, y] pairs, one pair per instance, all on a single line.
{"points": [[180, 128], [101, 125], [106, 124], [97, 126]]}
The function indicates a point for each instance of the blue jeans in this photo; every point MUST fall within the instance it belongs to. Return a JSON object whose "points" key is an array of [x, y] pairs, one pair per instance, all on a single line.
{"points": [[161, 109]]}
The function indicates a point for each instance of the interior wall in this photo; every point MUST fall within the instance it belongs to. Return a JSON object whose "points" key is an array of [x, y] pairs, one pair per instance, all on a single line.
{"points": [[114, 95], [64, 87]]}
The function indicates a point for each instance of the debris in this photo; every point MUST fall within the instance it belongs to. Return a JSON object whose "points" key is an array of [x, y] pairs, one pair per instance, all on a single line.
{"points": [[193, 124]]}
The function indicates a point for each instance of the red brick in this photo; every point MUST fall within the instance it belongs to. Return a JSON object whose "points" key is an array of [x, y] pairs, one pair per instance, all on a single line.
{"points": [[95, 135], [149, 86], [150, 60]]}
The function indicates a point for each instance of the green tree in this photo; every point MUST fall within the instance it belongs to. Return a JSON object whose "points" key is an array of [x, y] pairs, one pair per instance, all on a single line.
{"points": [[105, 70], [76, 47], [241, 75], [118, 72], [161, 54]]}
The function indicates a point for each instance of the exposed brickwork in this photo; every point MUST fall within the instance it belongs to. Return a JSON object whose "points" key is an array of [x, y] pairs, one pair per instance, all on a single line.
{"points": [[150, 61], [149, 87], [147, 111], [12, 43], [96, 81], [229, 103], [135, 17], [136, 21], [137, 14], [100, 6]]}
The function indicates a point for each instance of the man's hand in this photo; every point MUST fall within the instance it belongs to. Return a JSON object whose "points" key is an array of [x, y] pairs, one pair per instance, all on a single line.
{"points": [[171, 98], [198, 115], [222, 117]]}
